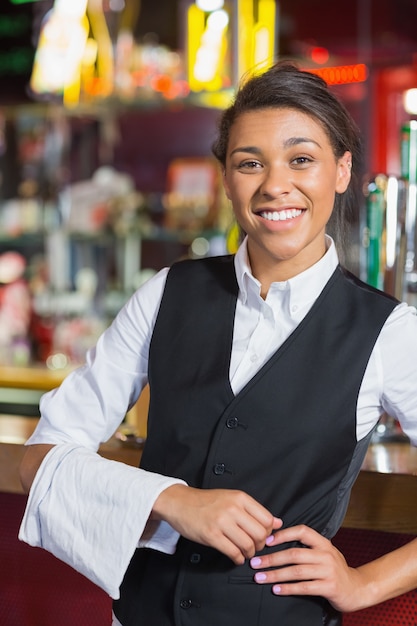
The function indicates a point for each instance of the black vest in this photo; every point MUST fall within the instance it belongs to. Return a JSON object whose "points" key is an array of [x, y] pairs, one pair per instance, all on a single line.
{"points": [[287, 438]]}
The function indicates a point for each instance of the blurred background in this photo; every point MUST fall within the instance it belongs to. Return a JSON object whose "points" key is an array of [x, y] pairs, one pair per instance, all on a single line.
{"points": [[108, 109]]}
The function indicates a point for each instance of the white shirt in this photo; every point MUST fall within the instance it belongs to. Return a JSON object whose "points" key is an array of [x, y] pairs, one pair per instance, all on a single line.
{"points": [[91, 403]]}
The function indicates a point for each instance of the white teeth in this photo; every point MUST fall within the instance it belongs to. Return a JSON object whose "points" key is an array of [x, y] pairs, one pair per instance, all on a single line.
{"points": [[281, 216]]}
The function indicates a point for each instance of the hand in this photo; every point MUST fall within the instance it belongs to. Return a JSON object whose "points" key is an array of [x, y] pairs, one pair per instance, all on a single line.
{"points": [[228, 520], [318, 569]]}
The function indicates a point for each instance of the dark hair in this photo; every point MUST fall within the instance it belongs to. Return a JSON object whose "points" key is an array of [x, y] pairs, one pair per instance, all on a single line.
{"points": [[284, 85]]}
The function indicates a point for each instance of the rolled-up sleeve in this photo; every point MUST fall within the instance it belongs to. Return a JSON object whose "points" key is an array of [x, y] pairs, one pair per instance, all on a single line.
{"points": [[91, 512]]}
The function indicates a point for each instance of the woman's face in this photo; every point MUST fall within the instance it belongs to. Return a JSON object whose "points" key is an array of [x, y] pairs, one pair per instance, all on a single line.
{"points": [[281, 176]]}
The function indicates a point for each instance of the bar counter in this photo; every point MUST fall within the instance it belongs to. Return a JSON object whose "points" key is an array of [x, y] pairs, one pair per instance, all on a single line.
{"points": [[384, 496]]}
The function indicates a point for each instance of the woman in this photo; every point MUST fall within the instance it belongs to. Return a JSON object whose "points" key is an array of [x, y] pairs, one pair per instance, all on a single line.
{"points": [[268, 372]]}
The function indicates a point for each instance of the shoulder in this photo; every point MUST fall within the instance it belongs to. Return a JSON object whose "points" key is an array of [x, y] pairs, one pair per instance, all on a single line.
{"points": [[373, 300], [403, 318], [356, 283], [195, 275], [206, 265]]}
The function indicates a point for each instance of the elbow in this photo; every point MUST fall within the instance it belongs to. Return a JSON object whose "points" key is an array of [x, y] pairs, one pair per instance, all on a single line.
{"points": [[31, 462]]}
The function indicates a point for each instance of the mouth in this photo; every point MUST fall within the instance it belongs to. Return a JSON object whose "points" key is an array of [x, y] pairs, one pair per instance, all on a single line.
{"points": [[280, 216]]}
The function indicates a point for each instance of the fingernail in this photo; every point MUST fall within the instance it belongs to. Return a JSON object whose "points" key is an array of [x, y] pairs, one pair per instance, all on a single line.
{"points": [[260, 577], [276, 589], [256, 561], [269, 539]]}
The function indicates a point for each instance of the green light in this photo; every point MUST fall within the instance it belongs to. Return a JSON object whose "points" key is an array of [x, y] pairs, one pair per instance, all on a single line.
{"points": [[22, 1], [13, 25]]}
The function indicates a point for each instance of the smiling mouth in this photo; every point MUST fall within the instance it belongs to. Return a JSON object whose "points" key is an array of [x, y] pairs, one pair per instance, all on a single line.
{"points": [[280, 216]]}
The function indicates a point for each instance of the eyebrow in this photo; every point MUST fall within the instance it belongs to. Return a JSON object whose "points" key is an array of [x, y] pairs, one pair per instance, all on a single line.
{"points": [[250, 149], [288, 143], [294, 141]]}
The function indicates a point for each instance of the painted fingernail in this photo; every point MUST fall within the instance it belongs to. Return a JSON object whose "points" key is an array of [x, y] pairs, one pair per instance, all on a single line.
{"points": [[276, 589], [256, 561], [269, 539], [260, 577]]}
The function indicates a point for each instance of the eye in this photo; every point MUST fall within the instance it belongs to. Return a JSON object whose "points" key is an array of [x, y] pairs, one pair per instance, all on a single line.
{"points": [[301, 160], [249, 165]]}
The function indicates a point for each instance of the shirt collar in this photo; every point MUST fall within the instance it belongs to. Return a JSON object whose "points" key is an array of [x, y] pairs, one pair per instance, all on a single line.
{"points": [[304, 287]]}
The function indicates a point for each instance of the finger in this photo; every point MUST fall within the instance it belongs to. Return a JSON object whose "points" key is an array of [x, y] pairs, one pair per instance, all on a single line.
{"points": [[255, 519], [283, 558], [301, 533], [258, 533], [293, 572], [261, 514], [236, 517], [276, 525], [303, 588], [265, 525], [247, 534], [229, 548], [236, 536]]}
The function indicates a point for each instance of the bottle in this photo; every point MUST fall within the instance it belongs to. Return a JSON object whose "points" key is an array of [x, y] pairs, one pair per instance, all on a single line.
{"points": [[375, 218]]}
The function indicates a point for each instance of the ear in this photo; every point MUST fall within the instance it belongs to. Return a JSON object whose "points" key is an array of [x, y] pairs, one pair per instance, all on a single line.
{"points": [[344, 172]]}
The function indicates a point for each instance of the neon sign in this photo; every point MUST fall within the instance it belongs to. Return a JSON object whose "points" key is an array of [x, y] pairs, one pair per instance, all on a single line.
{"points": [[342, 74]]}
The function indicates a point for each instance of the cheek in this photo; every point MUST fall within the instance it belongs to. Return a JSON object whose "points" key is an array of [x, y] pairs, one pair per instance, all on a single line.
{"points": [[324, 194]]}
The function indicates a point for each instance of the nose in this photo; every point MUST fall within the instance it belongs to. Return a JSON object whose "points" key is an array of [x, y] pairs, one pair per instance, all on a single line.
{"points": [[276, 181]]}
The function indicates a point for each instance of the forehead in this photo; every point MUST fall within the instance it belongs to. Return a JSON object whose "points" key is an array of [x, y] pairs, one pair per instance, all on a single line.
{"points": [[276, 123]]}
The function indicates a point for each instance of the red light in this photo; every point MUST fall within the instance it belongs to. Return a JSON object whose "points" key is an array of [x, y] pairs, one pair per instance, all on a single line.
{"points": [[342, 74], [319, 55], [161, 82]]}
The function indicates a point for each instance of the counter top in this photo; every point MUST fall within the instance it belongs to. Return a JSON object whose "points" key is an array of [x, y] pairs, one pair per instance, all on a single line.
{"points": [[40, 378], [384, 496]]}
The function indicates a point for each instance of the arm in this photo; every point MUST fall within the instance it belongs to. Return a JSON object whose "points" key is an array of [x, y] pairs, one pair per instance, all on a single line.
{"points": [[321, 570], [32, 459], [230, 521]]}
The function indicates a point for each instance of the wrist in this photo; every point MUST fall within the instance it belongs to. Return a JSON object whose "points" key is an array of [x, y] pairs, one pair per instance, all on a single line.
{"points": [[164, 504], [368, 591]]}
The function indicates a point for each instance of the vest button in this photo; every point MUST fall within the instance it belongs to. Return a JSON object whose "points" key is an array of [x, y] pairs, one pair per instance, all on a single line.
{"points": [[195, 558], [232, 422], [219, 469], [185, 603]]}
